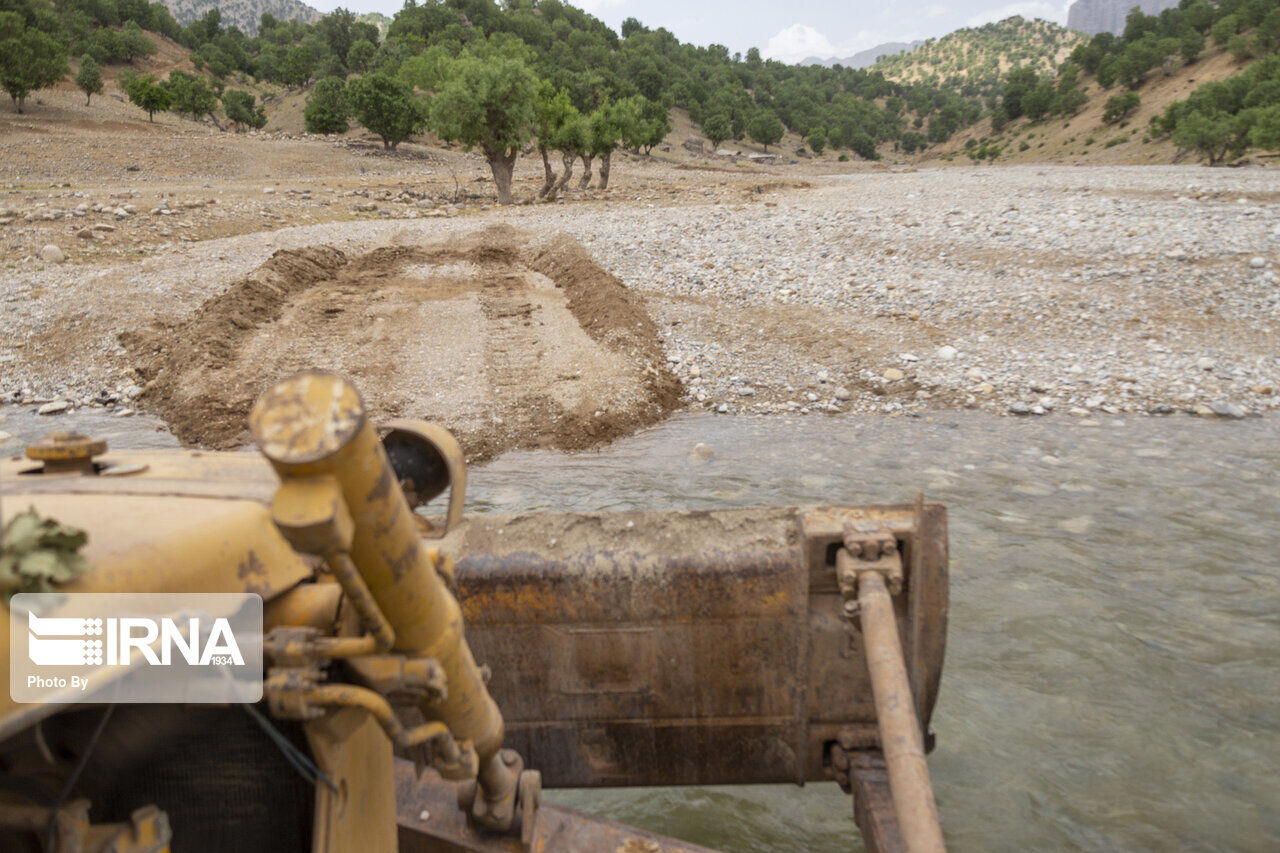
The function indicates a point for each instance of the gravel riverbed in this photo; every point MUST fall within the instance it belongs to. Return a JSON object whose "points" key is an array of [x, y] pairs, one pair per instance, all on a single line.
{"points": [[1021, 290]]}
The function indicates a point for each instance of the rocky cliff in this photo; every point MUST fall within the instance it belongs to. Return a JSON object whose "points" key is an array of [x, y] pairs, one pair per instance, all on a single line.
{"points": [[243, 14], [1107, 16]]}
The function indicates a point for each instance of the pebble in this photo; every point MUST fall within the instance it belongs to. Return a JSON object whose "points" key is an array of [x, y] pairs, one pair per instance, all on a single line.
{"points": [[947, 353], [1227, 410], [842, 393], [1257, 263], [54, 408], [53, 254], [701, 452], [1019, 408], [893, 374], [4, 436], [1206, 363]]}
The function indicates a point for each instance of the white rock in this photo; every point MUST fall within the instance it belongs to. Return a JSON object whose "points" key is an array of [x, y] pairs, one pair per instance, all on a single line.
{"points": [[1257, 263], [1206, 363], [53, 408], [842, 393], [53, 254], [268, 190], [4, 436], [893, 374], [947, 353], [973, 374]]}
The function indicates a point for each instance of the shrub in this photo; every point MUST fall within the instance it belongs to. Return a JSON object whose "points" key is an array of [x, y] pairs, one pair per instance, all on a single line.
{"points": [[326, 110]]}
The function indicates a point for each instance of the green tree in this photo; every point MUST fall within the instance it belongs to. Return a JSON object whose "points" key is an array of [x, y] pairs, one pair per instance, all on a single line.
{"points": [[89, 78], [30, 58], [488, 104], [613, 124], [326, 110], [571, 141], [1037, 103], [552, 110], [1211, 135], [717, 128], [297, 66], [652, 126], [765, 128], [135, 42], [1265, 132], [191, 95], [385, 106], [240, 108], [817, 139], [1120, 106], [864, 146], [360, 55], [145, 92]]}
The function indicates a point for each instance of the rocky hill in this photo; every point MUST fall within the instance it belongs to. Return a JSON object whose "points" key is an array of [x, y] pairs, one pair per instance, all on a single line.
{"points": [[243, 14], [972, 60], [1107, 16]]}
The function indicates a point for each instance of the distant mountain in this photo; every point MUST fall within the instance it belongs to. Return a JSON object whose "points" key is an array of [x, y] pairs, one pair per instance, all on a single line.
{"points": [[972, 60], [1107, 16], [243, 14], [866, 57]]}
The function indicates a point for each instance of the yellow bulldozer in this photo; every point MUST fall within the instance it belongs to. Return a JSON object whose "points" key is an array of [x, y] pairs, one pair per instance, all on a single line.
{"points": [[426, 674]]}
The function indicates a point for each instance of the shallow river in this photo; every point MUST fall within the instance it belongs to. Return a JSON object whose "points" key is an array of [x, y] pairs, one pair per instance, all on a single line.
{"points": [[1112, 679]]}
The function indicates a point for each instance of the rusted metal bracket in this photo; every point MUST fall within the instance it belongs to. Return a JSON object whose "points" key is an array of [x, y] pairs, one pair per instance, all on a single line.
{"points": [[147, 831]]}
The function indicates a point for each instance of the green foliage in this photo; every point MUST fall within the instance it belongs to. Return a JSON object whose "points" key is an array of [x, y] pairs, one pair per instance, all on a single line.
{"points": [[718, 128], [1265, 132], [817, 140], [146, 93], [766, 128], [240, 108], [486, 105], [134, 42], [385, 106], [298, 65], [38, 553], [326, 110], [32, 56], [1120, 106], [89, 78], [864, 146], [190, 95], [360, 55], [1211, 135]]}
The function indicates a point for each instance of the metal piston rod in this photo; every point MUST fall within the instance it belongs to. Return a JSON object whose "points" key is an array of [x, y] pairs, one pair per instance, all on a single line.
{"points": [[899, 726]]}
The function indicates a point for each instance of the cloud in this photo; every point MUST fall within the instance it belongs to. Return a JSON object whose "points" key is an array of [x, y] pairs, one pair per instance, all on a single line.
{"points": [[1029, 9], [801, 41], [935, 10], [797, 42]]}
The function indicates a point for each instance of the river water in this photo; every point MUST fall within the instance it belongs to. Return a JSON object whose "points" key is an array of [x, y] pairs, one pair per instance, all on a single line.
{"points": [[1112, 679]]}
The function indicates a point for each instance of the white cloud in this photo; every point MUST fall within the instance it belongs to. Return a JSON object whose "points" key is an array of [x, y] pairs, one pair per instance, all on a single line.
{"points": [[1029, 9], [801, 41], [935, 10], [797, 42]]}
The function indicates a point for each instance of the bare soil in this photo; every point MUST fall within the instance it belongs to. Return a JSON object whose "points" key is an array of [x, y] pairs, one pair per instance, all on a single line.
{"points": [[508, 343]]}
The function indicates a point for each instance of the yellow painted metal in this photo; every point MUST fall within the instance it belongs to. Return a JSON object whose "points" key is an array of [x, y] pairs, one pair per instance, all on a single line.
{"points": [[314, 424], [351, 748]]}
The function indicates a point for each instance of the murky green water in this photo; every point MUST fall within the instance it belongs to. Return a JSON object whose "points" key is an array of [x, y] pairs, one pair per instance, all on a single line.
{"points": [[1112, 678]]}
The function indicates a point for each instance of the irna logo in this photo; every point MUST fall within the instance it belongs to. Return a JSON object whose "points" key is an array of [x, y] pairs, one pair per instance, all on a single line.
{"points": [[90, 641]]}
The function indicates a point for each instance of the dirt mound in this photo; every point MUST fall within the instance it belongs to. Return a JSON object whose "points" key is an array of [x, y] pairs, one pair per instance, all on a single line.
{"points": [[508, 343]]}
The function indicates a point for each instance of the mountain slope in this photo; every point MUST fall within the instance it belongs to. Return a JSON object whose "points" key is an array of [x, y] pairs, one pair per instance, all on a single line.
{"points": [[972, 60], [1108, 16], [243, 14]]}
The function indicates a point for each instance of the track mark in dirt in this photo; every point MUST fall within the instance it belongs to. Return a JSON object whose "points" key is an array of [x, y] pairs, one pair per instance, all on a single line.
{"points": [[508, 343]]}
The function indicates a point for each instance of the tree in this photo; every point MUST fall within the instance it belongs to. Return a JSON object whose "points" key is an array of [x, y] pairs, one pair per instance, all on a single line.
{"points": [[190, 95], [326, 110], [360, 55], [89, 78], [765, 128], [717, 129], [297, 66], [135, 42], [817, 139], [1037, 103], [385, 106], [488, 104], [145, 92], [240, 108], [30, 58], [552, 110], [571, 142], [1211, 135], [1120, 106], [1265, 132], [652, 126], [613, 124], [864, 146]]}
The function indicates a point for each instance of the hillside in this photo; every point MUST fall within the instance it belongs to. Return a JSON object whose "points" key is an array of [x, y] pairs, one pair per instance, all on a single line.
{"points": [[970, 61], [243, 14], [1085, 137], [1108, 16]]}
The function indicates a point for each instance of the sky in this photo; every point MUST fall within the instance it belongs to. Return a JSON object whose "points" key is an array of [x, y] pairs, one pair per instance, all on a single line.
{"points": [[793, 30]]}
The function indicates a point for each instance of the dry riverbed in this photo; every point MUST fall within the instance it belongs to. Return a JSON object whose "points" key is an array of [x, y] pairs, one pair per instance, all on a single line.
{"points": [[1021, 290]]}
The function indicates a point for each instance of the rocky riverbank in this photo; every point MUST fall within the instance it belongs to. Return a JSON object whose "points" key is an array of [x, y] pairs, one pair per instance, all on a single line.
{"points": [[1015, 290]]}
